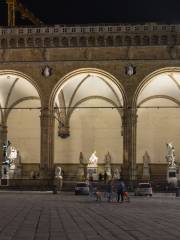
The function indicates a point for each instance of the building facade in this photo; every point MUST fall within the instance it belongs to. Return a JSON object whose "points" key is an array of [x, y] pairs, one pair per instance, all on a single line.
{"points": [[67, 90]]}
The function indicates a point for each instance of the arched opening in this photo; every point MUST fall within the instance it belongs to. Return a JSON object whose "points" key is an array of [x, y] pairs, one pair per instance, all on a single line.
{"points": [[158, 104], [20, 123], [88, 108]]}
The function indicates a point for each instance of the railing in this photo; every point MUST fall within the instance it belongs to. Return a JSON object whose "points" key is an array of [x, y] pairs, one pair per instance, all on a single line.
{"points": [[90, 36]]}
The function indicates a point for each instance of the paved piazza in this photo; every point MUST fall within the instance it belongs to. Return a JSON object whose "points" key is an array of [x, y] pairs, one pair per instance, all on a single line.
{"points": [[45, 216]]}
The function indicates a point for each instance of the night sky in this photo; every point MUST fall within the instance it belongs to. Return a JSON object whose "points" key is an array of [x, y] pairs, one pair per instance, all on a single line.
{"points": [[98, 11]]}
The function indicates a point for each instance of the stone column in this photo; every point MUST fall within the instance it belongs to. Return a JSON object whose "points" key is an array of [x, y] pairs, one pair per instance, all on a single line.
{"points": [[47, 142], [3, 139], [129, 143]]}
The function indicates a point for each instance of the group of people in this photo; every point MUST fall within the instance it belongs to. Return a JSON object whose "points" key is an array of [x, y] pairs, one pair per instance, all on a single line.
{"points": [[112, 189]]}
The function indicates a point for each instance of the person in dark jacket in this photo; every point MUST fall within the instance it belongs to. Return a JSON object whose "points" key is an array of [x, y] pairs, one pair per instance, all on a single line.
{"points": [[120, 190]]}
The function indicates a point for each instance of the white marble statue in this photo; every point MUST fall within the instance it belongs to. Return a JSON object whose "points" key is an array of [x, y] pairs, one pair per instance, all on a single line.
{"points": [[58, 181], [108, 164], [58, 172], [93, 159], [146, 162], [170, 157], [117, 173]]}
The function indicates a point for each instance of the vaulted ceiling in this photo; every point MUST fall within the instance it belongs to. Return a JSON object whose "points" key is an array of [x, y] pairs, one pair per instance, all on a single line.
{"points": [[85, 86], [162, 86], [13, 90]]}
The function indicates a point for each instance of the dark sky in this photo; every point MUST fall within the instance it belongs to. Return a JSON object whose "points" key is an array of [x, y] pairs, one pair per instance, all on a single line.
{"points": [[98, 11]]}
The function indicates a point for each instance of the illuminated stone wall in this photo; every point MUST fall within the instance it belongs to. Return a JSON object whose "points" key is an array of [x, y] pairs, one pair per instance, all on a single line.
{"points": [[91, 130], [151, 49]]}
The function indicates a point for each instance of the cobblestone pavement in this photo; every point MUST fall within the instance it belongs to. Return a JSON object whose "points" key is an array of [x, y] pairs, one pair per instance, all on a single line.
{"points": [[44, 216]]}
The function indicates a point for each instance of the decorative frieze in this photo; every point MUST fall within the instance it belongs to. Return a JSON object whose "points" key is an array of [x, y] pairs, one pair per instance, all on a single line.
{"points": [[90, 36]]}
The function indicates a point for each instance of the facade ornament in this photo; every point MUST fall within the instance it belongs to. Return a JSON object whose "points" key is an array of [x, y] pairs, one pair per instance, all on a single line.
{"points": [[46, 71], [63, 131], [130, 70]]}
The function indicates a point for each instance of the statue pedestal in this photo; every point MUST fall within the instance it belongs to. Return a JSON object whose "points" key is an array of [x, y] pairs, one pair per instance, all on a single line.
{"points": [[172, 176], [107, 169], [146, 173], [92, 171]]}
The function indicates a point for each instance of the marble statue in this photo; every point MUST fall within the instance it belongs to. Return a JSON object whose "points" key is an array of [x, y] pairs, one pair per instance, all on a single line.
{"points": [[146, 162], [58, 181], [117, 173], [93, 159], [92, 167], [58, 172], [83, 170], [172, 167], [170, 155], [108, 164], [11, 161], [108, 159]]}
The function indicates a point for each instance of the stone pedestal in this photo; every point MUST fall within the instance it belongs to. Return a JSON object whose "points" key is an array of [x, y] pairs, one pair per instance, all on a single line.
{"points": [[146, 173], [107, 169], [172, 176], [92, 172]]}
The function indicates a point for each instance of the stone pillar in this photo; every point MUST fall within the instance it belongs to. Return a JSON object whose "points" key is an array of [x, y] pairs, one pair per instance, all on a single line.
{"points": [[47, 143], [3, 139], [129, 143]]}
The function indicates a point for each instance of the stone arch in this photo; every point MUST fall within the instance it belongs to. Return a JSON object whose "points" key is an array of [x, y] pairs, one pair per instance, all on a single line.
{"points": [[21, 100], [60, 144], [86, 70], [149, 77], [157, 102], [24, 76]]}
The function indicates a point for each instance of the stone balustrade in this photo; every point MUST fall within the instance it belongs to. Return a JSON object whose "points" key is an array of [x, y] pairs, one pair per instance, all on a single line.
{"points": [[104, 35]]}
